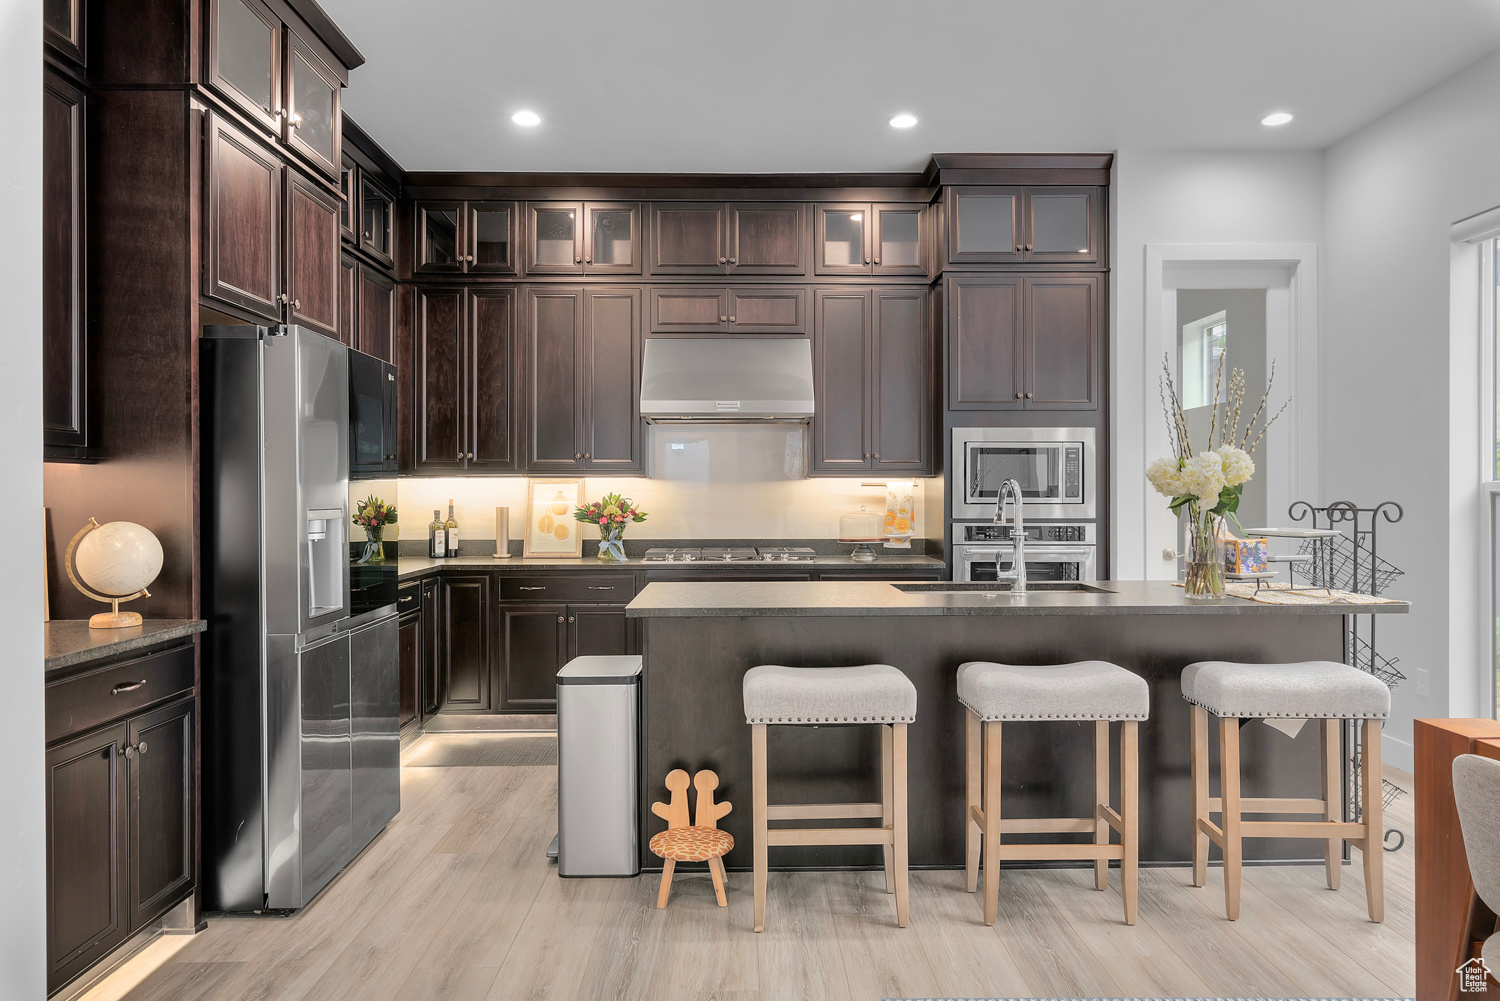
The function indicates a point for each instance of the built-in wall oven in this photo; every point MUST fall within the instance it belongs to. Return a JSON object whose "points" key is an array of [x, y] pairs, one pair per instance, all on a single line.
{"points": [[372, 417], [1054, 466], [1060, 551]]}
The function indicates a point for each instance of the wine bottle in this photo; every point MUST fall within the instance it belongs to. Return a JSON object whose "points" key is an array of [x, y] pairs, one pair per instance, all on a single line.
{"points": [[437, 539], [450, 527]]}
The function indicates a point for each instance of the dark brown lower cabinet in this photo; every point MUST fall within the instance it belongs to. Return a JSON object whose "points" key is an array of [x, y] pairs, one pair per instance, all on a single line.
{"points": [[432, 639], [409, 665], [464, 617], [87, 880], [160, 842], [537, 639], [120, 820]]}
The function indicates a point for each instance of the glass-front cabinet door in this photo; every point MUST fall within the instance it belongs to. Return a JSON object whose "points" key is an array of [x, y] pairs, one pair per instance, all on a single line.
{"points": [[492, 237], [841, 240], [984, 225], [1063, 225], [554, 232], [349, 210], [312, 107], [441, 244], [376, 213], [62, 27], [244, 58], [896, 240], [613, 239]]}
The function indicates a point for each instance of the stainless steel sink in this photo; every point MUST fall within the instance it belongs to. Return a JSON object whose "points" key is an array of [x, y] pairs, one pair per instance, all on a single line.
{"points": [[990, 587]]}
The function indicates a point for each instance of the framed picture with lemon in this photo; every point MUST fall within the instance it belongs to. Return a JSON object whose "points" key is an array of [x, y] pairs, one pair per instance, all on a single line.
{"points": [[550, 528]]}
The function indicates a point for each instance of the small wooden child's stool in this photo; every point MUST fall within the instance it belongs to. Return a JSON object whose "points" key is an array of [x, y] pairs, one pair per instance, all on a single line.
{"points": [[702, 842]]}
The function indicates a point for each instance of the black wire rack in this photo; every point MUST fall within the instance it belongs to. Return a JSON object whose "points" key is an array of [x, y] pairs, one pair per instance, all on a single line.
{"points": [[1350, 561]]}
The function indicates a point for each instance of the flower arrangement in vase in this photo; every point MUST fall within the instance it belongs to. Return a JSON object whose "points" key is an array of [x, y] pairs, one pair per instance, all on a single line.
{"points": [[611, 513], [373, 514], [1209, 484]]}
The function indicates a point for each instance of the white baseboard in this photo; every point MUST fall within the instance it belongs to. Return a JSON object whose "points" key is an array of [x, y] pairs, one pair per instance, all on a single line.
{"points": [[1398, 752]]}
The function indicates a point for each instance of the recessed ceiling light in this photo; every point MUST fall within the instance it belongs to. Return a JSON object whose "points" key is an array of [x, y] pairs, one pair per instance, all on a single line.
{"points": [[526, 118], [903, 121], [1277, 118]]}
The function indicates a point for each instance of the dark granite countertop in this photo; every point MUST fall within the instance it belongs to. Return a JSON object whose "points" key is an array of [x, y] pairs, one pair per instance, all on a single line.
{"points": [[856, 598], [416, 566], [71, 642]]}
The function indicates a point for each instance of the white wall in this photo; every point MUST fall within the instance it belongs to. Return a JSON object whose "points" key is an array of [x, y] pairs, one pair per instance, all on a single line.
{"points": [[1181, 197], [23, 930], [1401, 406]]}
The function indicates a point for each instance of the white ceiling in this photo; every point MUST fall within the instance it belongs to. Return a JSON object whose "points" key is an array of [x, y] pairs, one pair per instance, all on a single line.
{"points": [[772, 86]]}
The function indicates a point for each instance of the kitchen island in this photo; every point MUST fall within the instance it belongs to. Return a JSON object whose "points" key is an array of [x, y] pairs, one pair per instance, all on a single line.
{"points": [[700, 639]]}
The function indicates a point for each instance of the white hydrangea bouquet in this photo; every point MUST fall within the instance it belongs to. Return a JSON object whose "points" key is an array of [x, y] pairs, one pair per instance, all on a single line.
{"points": [[1209, 483]]}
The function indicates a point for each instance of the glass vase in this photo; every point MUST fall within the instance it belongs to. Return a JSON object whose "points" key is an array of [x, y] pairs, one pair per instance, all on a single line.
{"points": [[1204, 578], [374, 546], [612, 543]]}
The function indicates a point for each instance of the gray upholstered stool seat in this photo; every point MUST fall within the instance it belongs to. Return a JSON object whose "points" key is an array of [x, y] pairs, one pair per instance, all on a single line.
{"points": [[1090, 690], [1314, 689], [1490, 951], [871, 693]]}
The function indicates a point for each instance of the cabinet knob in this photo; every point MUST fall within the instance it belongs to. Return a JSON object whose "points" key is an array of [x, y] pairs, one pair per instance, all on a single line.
{"points": [[469, 258], [578, 260], [129, 751], [867, 260], [877, 260], [559, 618], [877, 455], [867, 455], [1020, 247], [1028, 396], [461, 455], [296, 303], [577, 455], [572, 618], [141, 747], [468, 455], [281, 297], [586, 455], [294, 120], [588, 260], [1018, 396], [734, 260], [722, 260], [1029, 246], [731, 319]]}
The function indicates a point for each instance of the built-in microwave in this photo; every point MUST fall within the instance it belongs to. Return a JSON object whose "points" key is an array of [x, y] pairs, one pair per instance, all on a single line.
{"points": [[372, 417], [1054, 466]]}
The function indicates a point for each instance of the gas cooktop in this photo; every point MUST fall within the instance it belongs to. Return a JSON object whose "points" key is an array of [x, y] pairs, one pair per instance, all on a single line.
{"points": [[730, 554]]}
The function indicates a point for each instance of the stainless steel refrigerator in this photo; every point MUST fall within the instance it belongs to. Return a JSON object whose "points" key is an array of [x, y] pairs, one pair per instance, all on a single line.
{"points": [[301, 742]]}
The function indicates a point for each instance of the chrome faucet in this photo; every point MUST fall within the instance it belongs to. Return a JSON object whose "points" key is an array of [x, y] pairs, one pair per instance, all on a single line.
{"points": [[1017, 573]]}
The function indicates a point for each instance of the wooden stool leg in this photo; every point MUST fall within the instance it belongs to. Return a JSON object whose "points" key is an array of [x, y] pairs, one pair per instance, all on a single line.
{"points": [[716, 869], [1229, 791], [1130, 813], [1199, 756], [1101, 797], [886, 778], [666, 881], [973, 770], [991, 821], [758, 821], [1333, 800], [898, 799], [1374, 819]]}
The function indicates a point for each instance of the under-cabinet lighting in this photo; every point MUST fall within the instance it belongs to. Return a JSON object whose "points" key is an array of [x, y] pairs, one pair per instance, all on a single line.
{"points": [[526, 118], [903, 121], [1277, 118]]}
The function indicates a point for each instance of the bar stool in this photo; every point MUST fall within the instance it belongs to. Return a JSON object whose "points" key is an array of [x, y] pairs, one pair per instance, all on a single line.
{"points": [[1093, 690], [1320, 690], [823, 696]]}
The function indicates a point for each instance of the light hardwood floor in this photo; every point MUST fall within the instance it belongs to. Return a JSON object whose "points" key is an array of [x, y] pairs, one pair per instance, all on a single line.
{"points": [[456, 901]]}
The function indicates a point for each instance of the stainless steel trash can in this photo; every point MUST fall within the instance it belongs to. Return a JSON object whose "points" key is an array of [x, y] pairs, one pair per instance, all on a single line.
{"points": [[598, 775]]}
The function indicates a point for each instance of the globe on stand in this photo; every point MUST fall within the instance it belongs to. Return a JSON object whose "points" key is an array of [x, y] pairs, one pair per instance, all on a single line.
{"points": [[119, 559]]}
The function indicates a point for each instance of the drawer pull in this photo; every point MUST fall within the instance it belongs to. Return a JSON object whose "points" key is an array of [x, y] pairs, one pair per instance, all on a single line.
{"points": [[601, 587], [538, 587], [127, 686]]}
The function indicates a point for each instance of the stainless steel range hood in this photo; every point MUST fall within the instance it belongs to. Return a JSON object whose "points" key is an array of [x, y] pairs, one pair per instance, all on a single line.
{"points": [[727, 379]]}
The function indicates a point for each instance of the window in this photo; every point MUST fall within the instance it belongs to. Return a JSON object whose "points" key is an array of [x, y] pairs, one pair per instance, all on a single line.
{"points": [[1201, 349]]}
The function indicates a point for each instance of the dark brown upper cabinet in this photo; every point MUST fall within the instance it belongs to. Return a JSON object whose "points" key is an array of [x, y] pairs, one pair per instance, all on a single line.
{"points": [[348, 297], [465, 237], [349, 211], [771, 309], [865, 239], [284, 83], [242, 220], [582, 379], [377, 216], [463, 382], [722, 238], [1024, 343], [312, 255], [1040, 225], [376, 332], [65, 356], [583, 238], [872, 365], [62, 28]]}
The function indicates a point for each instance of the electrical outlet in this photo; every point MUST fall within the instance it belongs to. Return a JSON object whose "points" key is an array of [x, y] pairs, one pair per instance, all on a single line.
{"points": [[1421, 681]]}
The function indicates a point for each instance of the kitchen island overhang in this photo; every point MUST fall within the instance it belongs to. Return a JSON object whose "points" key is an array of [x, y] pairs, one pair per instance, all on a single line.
{"points": [[700, 638]]}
